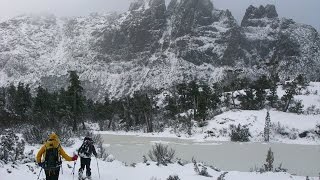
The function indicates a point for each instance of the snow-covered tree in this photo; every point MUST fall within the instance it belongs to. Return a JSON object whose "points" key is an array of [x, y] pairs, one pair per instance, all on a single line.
{"points": [[11, 147], [268, 166], [267, 127]]}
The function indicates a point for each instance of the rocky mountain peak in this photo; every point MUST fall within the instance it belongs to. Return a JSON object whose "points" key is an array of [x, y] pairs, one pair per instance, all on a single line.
{"points": [[146, 4], [255, 13], [136, 5], [190, 14]]}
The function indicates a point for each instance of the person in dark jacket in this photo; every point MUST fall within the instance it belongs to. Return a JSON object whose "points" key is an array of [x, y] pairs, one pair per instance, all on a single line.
{"points": [[85, 152]]}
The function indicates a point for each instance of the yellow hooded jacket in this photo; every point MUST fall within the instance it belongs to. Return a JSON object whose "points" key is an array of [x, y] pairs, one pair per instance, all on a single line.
{"points": [[52, 142]]}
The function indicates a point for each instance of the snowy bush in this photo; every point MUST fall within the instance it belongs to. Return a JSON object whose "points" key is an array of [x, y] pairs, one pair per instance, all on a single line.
{"points": [[239, 133], [280, 169], [65, 134], [312, 110], [101, 150], [161, 154], [203, 171], [202, 123], [175, 177], [11, 147], [279, 129], [110, 158], [296, 107], [35, 135], [181, 162]]}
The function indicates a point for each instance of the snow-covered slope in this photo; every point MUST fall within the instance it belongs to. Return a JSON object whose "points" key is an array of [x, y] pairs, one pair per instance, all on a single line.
{"points": [[117, 170], [141, 171], [153, 46]]}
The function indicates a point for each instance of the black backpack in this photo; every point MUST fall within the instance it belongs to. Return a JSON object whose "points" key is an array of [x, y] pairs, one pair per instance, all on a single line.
{"points": [[85, 148], [52, 159]]}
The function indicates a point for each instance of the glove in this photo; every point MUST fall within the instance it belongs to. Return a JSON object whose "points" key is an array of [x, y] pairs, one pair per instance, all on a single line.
{"points": [[41, 164], [74, 158]]}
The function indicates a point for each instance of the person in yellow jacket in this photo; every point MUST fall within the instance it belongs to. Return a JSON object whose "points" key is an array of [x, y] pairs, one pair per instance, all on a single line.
{"points": [[49, 157]]}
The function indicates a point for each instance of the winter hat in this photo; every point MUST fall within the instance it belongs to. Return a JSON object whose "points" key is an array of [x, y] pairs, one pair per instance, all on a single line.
{"points": [[87, 138]]}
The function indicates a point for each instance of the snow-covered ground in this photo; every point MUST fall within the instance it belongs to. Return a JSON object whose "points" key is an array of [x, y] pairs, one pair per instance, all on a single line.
{"points": [[218, 128], [117, 170]]}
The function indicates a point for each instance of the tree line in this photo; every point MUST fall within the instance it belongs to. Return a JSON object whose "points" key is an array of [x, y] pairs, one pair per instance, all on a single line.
{"points": [[151, 110]]}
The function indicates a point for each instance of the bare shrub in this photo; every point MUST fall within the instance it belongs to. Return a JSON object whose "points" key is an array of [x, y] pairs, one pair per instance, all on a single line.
{"points": [[101, 150], [161, 154], [203, 171], [222, 176], [280, 169], [175, 177]]}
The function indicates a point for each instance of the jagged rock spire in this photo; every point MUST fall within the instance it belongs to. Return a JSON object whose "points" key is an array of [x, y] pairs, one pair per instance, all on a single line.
{"points": [[268, 11]]}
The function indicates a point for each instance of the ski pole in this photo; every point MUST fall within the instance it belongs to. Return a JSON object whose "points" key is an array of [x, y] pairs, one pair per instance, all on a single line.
{"points": [[98, 167], [39, 174], [61, 169], [74, 166]]}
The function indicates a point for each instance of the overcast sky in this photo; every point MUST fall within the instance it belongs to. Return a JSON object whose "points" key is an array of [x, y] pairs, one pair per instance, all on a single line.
{"points": [[303, 11]]}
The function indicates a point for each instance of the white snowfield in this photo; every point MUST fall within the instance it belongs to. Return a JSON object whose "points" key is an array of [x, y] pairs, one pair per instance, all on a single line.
{"points": [[118, 171]]}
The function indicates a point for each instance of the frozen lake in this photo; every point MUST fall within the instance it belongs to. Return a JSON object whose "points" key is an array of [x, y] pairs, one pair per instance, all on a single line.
{"points": [[298, 159]]}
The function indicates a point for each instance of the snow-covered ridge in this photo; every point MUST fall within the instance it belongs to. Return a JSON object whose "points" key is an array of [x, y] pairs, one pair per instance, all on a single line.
{"points": [[150, 46]]}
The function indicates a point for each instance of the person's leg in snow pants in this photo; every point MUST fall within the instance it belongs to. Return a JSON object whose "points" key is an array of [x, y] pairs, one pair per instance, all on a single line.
{"points": [[52, 174], [85, 163]]}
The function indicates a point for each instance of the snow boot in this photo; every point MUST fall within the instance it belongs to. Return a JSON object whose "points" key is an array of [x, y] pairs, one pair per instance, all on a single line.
{"points": [[80, 177]]}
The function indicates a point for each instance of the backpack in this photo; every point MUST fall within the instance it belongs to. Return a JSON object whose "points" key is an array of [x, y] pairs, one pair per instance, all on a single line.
{"points": [[85, 149], [52, 158]]}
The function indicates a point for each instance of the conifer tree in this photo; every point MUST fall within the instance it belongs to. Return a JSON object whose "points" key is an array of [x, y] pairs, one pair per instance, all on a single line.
{"points": [[260, 87], [64, 108], [10, 99], [2, 106], [193, 93], [76, 99], [269, 161], [41, 106], [273, 97], [172, 107], [248, 100], [183, 103], [291, 90], [2, 99], [22, 101], [267, 127]]}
